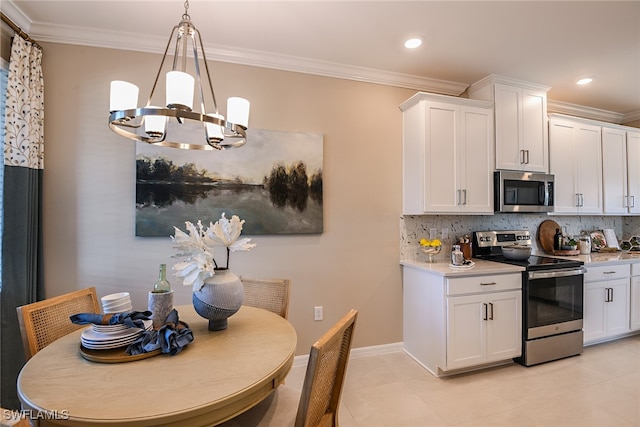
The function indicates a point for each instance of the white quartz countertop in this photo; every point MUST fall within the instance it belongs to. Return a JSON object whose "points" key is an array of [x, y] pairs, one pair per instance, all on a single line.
{"points": [[595, 258], [481, 268]]}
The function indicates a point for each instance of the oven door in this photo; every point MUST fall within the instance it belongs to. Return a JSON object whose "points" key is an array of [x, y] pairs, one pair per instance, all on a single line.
{"points": [[553, 302]]}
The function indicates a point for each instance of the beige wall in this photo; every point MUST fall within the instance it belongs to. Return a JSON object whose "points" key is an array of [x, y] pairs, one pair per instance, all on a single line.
{"points": [[90, 190]]}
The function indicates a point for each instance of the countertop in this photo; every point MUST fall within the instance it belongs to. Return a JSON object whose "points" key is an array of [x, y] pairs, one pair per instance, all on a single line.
{"points": [[595, 259], [483, 267]]}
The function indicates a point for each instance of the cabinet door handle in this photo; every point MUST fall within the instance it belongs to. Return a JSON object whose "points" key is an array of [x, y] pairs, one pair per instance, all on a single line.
{"points": [[487, 284], [459, 198], [464, 193], [577, 199], [522, 157], [609, 272], [527, 151], [609, 295], [484, 306], [491, 315], [633, 201]]}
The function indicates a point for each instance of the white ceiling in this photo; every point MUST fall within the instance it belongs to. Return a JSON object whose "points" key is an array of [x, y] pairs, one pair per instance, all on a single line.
{"points": [[553, 43]]}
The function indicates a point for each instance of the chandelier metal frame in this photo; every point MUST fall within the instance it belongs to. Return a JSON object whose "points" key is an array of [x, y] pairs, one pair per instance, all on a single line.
{"points": [[126, 122]]}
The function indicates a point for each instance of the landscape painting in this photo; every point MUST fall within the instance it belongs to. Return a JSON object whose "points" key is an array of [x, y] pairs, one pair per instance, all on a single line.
{"points": [[274, 183]]}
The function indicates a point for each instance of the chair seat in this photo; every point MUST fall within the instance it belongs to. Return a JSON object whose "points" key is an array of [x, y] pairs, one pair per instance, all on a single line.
{"points": [[279, 409]]}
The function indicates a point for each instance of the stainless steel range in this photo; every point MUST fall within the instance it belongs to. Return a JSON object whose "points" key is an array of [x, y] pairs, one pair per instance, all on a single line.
{"points": [[552, 296]]}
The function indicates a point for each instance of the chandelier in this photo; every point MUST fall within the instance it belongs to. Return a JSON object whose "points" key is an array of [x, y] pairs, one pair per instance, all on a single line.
{"points": [[155, 125]]}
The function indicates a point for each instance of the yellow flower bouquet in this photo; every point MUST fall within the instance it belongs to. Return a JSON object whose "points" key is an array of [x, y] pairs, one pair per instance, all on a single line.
{"points": [[431, 248]]}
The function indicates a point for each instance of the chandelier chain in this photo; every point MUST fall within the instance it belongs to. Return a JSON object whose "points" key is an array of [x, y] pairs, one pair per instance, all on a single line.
{"points": [[186, 11]]}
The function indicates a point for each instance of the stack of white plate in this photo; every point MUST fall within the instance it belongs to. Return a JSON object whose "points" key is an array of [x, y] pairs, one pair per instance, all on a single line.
{"points": [[116, 303], [104, 337]]}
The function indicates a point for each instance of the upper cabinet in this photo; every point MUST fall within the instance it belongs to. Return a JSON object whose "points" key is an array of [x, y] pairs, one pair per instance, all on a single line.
{"points": [[633, 172], [521, 141], [596, 166], [621, 170], [447, 155], [576, 162]]}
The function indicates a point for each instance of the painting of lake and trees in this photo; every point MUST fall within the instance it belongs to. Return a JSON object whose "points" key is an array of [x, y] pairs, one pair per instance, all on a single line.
{"points": [[274, 183]]}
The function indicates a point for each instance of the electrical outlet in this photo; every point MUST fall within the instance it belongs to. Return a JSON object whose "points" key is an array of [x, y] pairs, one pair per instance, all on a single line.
{"points": [[433, 233], [445, 234], [317, 312]]}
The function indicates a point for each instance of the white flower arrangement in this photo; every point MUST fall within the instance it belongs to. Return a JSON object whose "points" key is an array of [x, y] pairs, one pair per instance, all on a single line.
{"points": [[199, 246]]}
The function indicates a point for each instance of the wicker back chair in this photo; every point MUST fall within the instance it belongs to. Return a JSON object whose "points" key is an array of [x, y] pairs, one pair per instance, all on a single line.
{"points": [[270, 294], [45, 321], [317, 405]]}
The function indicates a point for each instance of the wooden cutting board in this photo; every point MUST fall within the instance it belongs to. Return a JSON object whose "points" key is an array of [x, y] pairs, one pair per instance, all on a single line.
{"points": [[546, 231]]}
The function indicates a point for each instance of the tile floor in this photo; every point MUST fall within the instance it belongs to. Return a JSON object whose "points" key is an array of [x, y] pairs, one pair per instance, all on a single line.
{"points": [[599, 388]]}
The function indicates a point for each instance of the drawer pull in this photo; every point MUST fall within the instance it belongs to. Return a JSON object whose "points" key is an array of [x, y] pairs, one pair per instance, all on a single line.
{"points": [[488, 284], [609, 272]]}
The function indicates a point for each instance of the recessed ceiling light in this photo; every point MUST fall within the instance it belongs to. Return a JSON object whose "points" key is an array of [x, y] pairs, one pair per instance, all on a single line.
{"points": [[413, 42], [584, 81]]}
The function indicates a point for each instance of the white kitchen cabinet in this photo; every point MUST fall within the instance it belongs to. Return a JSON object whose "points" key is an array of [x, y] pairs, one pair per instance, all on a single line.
{"points": [[614, 171], [606, 302], [483, 328], [447, 155], [575, 151], [620, 170], [521, 139], [460, 323], [633, 172], [635, 297]]}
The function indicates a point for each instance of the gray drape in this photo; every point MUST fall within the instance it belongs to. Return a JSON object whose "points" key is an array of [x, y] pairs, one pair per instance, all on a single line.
{"points": [[22, 261]]}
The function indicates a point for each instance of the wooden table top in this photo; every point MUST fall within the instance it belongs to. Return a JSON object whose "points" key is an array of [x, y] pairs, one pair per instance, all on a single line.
{"points": [[217, 376]]}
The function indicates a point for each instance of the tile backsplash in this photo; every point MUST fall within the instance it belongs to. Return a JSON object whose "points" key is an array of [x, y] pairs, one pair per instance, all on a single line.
{"points": [[415, 227]]}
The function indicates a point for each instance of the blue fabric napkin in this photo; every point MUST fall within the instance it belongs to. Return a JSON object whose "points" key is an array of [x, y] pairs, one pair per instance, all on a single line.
{"points": [[132, 319], [171, 338]]}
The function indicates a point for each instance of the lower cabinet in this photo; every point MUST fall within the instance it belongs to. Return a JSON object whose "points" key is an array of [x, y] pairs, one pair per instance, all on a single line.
{"points": [[635, 297], [459, 323], [606, 303], [483, 328]]}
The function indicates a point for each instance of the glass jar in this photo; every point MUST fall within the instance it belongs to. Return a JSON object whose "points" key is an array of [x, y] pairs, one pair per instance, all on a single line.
{"points": [[457, 257], [584, 244]]}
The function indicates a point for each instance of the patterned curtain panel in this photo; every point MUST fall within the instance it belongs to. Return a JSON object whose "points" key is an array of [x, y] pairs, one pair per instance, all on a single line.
{"points": [[22, 262]]}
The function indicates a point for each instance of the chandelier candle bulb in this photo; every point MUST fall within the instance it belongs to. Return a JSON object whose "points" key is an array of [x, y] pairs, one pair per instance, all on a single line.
{"points": [[123, 96], [155, 126], [180, 90], [214, 132], [238, 111]]}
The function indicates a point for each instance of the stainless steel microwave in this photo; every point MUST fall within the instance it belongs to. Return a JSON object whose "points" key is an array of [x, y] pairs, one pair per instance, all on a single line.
{"points": [[522, 192]]}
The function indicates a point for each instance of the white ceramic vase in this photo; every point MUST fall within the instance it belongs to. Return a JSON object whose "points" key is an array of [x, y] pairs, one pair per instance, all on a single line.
{"points": [[220, 297]]}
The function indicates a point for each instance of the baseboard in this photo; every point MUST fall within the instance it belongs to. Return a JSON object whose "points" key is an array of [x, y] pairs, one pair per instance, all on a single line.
{"points": [[375, 350]]}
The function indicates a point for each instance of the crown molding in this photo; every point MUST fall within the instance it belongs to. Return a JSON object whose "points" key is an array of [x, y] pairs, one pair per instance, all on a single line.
{"points": [[16, 15], [590, 113], [54, 33]]}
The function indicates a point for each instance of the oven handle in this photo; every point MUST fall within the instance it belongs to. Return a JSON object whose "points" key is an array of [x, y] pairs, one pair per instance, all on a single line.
{"points": [[556, 273]]}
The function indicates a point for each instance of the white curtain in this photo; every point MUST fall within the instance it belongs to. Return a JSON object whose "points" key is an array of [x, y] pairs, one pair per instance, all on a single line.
{"points": [[22, 261]]}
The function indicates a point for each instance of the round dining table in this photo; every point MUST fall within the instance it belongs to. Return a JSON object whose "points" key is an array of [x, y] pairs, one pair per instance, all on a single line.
{"points": [[217, 376]]}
